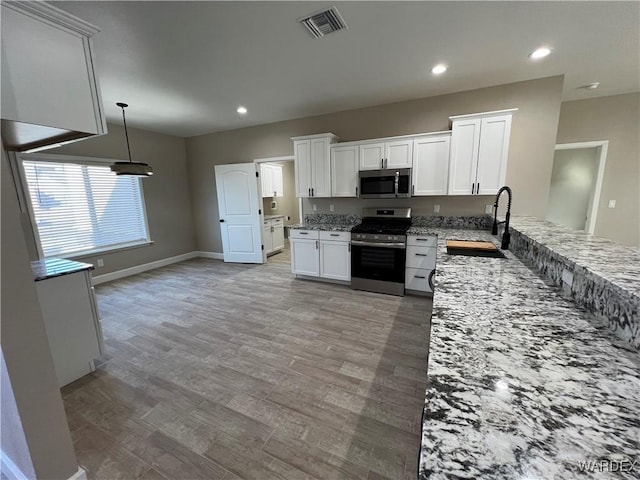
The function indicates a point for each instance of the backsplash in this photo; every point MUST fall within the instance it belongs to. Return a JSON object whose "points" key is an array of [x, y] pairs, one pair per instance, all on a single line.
{"points": [[476, 222], [332, 218]]}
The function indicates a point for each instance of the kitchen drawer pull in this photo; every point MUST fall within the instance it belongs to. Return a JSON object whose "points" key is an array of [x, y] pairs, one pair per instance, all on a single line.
{"points": [[304, 233], [422, 239], [419, 276], [334, 234]]}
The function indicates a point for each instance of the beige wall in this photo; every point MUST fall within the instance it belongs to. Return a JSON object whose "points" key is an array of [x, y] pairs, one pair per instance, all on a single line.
{"points": [[288, 203], [533, 136], [28, 361], [616, 119], [166, 193]]}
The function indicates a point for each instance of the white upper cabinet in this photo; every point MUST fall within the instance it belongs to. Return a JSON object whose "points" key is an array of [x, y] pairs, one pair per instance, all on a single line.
{"points": [[381, 155], [430, 165], [344, 171], [50, 91], [271, 180], [313, 165], [479, 152]]}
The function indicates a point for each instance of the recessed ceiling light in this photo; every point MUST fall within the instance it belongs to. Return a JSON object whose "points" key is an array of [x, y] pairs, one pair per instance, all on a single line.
{"points": [[438, 69], [539, 53], [241, 110], [589, 86]]}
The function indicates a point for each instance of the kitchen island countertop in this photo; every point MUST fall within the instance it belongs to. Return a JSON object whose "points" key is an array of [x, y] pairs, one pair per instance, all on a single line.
{"points": [[55, 267], [521, 382]]}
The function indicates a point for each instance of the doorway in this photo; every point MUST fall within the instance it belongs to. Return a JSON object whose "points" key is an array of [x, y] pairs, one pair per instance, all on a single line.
{"points": [[280, 206], [576, 182]]}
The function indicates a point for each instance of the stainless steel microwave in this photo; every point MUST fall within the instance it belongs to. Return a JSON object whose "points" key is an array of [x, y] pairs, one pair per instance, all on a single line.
{"points": [[387, 183]]}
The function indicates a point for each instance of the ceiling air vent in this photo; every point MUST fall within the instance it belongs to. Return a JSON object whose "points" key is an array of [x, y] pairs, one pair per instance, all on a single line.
{"points": [[322, 23]]}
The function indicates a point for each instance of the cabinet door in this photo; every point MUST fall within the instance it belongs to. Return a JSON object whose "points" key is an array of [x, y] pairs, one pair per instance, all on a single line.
{"points": [[465, 140], [266, 180], [371, 155], [321, 168], [493, 154], [278, 235], [398, 154], [302, 155], [267, 236], [277, 181], [305, 257], [344, 171], [335, 260], [430, 165]]}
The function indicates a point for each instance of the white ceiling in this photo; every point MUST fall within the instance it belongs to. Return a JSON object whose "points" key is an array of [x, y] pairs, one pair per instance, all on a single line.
{"points": [[184, 67]]}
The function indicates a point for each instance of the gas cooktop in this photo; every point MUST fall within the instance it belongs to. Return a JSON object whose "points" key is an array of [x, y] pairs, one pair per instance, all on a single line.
{"points": [[386, 221]]}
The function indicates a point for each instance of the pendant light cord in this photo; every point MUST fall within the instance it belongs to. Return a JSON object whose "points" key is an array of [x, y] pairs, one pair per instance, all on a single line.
{"points": [[126, 133]]}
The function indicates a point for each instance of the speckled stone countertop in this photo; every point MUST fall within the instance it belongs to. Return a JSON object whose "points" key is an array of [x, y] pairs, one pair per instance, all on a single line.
{"points": [[329, 227], [270, 217], [521, 384], [617, 263], [55, 267]]}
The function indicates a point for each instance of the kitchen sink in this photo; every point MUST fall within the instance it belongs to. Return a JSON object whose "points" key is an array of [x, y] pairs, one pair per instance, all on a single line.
{"points": [[475, 252]]}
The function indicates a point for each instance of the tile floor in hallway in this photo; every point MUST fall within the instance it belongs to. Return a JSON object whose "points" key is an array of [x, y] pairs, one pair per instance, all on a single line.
{"points": [[227, 371]]}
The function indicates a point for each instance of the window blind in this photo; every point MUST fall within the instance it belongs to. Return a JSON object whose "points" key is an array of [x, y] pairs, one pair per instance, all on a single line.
{"points": [[80, 208]]}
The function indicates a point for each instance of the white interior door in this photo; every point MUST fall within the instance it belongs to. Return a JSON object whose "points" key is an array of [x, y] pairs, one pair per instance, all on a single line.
{"points": [[239, 209]]}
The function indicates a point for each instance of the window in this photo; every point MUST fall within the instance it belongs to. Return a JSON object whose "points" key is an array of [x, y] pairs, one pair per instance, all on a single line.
{"points": [[81, 208]]}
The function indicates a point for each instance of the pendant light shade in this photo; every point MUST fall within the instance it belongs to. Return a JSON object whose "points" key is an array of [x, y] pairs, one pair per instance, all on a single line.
{"points": [[130, 168]]}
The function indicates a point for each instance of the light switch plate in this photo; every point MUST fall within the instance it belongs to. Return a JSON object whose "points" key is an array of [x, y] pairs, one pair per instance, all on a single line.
{"points": [[488, 209], [436, 208], [315, 207], [332, 208], [612, 204], [100, 262]]}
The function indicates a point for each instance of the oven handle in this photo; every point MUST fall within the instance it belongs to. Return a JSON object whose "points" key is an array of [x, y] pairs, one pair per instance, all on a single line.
{"points": [[359, 243]]}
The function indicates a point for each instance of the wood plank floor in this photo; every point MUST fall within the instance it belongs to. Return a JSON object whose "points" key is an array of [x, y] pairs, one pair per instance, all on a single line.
{"points": [[228, 371]]}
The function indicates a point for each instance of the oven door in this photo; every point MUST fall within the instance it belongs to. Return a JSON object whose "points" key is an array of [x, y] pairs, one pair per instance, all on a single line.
{"points": [[385, 183], [377, 267]]}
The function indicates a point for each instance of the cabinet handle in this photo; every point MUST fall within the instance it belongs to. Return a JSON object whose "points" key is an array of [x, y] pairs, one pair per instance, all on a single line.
{"points": [[272, 229], [421, 254], [334, 234], [386, 163], [309, 192], [304, 233], [422, 239], [473, 188], [316, 244], [419, 276], [478, 189], [275, 193], [382, 163], [313, 193], [357, 192], [349, 247]]}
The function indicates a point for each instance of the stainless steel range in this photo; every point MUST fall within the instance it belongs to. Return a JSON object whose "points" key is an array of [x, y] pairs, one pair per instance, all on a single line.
{"points": [[378, 250]]}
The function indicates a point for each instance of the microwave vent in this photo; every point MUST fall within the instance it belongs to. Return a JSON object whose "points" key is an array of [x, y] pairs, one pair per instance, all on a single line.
{"points": [[323, 23]]}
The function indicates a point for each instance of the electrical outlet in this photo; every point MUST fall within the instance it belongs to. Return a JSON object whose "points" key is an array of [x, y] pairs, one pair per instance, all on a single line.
{"points": [[315, 207], [488, 209], [100, 262], [332, 208], [436, 208], [612, 204]]}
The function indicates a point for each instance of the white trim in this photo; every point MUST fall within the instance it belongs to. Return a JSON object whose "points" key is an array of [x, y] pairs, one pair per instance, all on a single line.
{"points": [[274, 159], [212, 255], [410, 136], [603, 145], [77, 159], [330, 136], [48, 13], [484, 114], [126, 272], [10, 469], [81, 474]]}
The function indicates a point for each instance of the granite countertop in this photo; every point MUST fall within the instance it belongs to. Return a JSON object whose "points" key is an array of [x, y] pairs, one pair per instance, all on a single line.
{"points": [[55, 267], [269, 217], [617, 263], [520, 383], [328, 227]]}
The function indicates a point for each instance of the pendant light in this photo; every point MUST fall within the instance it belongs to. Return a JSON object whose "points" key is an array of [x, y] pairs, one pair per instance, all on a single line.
{"points": [[130, 168]]}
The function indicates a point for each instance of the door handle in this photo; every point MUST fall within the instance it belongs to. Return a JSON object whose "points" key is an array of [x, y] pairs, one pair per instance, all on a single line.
{"points": [[222, 220]]}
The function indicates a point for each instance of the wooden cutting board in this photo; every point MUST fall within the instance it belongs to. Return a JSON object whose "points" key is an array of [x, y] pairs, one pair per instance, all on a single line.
{"points": [[468, 244]]}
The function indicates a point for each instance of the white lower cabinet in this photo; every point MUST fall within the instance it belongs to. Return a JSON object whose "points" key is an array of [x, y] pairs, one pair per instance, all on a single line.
{"points": [[273, 235], [321, 254], [71, 320], [421, 263]]}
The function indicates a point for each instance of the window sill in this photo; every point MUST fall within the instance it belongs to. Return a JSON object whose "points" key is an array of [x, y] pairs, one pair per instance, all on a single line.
{"points": [[108, 250]]}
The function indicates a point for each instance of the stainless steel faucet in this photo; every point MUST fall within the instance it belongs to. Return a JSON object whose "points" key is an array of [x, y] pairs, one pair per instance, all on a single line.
{"points": [[506, 236]]}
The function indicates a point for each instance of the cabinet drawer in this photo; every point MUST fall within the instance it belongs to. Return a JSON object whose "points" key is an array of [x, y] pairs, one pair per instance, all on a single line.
{"points": [[277, 221], [267, 223], [421, 257], [340, 236], [422, 240], [418, 279], [308, 234]]}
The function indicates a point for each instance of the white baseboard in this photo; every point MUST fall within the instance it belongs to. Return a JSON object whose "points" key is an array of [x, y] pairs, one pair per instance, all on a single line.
{"points": [[213, 255], [81, 474], [10, 469], [107, 277], [126, 272]]}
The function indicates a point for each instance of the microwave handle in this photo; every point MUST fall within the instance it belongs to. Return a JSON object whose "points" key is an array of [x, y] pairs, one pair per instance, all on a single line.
{"points": [[395, 183]]}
